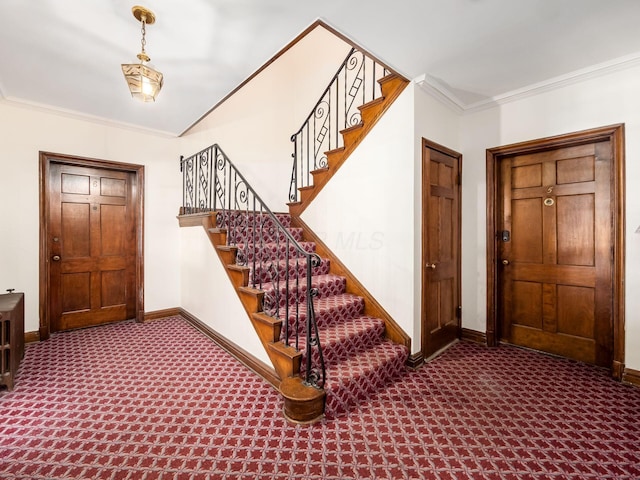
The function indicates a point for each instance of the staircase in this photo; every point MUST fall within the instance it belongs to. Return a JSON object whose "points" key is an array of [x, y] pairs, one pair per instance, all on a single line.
{"points": [[391, 87], [358, 358], [331, 344], [328, 136]]}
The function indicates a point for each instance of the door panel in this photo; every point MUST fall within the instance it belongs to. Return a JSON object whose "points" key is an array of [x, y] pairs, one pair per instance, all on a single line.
{"points": [[527, 248], [92, 246], [75, 229], [441, 248], [555, 271], [113, 287], [113, 224]]}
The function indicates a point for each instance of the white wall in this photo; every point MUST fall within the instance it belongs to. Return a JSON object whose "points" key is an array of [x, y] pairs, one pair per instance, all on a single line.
{"points": [[255, 125], [207, 293], [365, 213], [254, 128], [369, 214], [605, 100], [24, 132]]}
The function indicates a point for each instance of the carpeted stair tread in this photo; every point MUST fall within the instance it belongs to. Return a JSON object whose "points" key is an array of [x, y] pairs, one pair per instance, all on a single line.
{"points": [[263, 269], [237, 218], [349, 383], [358, 359], [330, 310], [341, 341], [273, 251], [267, 234], [326, 285]]}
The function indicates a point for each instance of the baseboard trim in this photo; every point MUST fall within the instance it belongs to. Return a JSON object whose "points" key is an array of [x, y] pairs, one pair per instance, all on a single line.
{"points": [[473, 336], [31, 337], [244, 357], [158, 314], [415, 360], [631, 376]]}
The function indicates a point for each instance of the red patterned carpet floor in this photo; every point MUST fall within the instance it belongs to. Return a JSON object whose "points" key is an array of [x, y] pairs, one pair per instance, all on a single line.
{"points": [[161, 401]]}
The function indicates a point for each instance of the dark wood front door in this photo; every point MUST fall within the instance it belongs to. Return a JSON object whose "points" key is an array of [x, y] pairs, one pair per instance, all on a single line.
{"points": [[556, 266], [440, 247], [555, 245], [92, 238]]}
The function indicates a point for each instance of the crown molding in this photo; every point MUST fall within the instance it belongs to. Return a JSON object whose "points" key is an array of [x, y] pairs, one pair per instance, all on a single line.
{"points": [[442, 93], [75, 115]]}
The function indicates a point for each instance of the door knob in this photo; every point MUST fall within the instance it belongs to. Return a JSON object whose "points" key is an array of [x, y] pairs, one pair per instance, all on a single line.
{"points": [[431, 265], [505, 262], [56, 258]]}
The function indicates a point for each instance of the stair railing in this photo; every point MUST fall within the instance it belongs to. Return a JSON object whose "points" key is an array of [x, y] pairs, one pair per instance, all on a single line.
{"points": [[211, 182], [354, 84]]}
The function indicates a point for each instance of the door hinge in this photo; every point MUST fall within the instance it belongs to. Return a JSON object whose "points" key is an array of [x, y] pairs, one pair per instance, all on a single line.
{"points": [[459, 311]]}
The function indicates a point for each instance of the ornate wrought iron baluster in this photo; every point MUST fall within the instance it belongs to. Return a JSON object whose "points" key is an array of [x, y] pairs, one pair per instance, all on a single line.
{"points": [[216, 183]]}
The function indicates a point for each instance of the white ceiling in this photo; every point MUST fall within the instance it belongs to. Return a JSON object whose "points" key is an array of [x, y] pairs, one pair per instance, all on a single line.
{"points": [[66, 54]]}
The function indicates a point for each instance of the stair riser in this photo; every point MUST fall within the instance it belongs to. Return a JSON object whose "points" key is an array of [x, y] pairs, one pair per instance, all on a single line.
{"points": [[263, 271], [264, 235], [350, 135], [271, 251], [325, 317], [242, 219], [343, 350], [390, 85], [298, 293], [359, 388], [371, 112]]}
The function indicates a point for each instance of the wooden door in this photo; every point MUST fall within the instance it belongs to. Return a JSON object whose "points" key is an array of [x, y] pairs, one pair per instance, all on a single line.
{"points": [[555, 251], [92, 246], [440, 247]]}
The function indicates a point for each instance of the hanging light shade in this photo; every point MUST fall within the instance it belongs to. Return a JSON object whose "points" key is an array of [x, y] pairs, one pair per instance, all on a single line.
{"points": [[144, 82]]}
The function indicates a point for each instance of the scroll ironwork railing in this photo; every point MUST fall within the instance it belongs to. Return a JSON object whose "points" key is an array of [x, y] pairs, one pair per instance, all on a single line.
{"points": [[278, 263], [354, 84]]}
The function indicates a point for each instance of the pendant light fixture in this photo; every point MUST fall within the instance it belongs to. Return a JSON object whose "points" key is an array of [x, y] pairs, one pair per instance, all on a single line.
{"points": [[144, 82]]}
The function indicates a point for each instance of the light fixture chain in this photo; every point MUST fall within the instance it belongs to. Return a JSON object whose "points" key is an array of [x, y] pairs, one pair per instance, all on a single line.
{"points": [[143, 41]]}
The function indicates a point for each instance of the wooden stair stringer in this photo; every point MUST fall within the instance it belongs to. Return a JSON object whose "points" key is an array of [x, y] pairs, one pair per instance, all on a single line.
{"points": [[372, 307], [392, 86], [285, 360]]}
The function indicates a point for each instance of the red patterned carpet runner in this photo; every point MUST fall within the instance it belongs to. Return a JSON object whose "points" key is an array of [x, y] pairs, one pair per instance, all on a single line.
{"points": [[358, 357], [161, 401]]}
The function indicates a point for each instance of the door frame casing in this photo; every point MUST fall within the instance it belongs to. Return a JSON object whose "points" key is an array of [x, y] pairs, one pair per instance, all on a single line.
{"points": [[425, 192], [46, 159], [615, 135]]}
